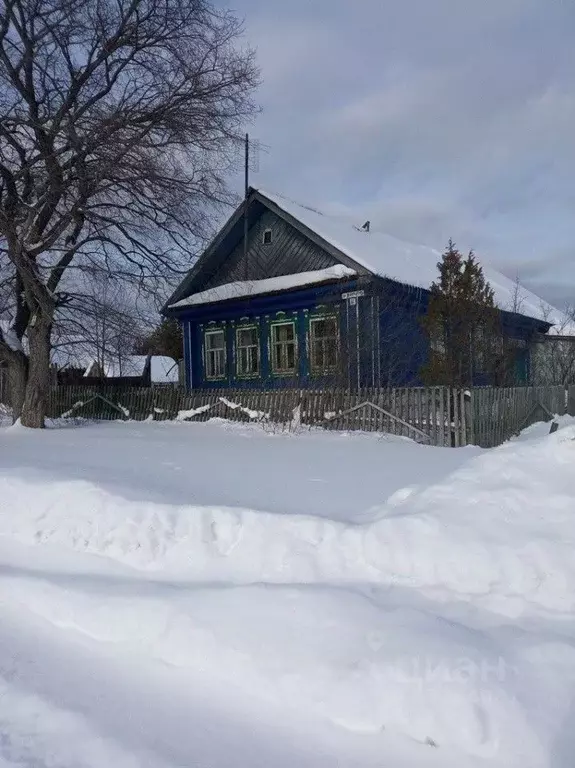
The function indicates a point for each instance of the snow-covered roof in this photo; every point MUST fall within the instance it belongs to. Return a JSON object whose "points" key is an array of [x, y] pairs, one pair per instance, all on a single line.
{"points": [[242, 288], [8, 336], [409, 263], [163, 370], [131, 365]]}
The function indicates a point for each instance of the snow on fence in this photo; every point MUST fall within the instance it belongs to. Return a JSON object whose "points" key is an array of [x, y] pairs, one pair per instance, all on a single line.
{"points": [[439, 416]]}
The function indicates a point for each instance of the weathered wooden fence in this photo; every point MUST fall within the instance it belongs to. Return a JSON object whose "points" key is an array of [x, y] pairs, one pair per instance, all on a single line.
{"points": [[498, 413], [435, 415]]}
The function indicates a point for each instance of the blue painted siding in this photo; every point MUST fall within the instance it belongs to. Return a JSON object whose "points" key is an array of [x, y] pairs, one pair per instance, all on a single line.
{"points": [[381, 339], [187, 355], [296, 306], [403, 346]]}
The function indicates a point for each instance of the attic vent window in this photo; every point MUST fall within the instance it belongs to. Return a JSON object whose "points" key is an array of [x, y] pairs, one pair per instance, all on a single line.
{"points": [[267, 237]]}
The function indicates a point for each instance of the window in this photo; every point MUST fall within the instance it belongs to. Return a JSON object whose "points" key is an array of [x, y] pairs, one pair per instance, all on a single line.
{"points": [[283, 347], [324, 344], [267, 237], [215, 354], [247, 352]]}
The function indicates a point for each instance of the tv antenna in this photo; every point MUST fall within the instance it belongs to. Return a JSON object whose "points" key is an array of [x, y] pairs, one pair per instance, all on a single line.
{"points": [[252, 149]]}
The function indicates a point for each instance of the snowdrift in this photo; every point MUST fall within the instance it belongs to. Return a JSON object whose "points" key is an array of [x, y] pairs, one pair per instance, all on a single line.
{"points": [[449, 617], [500, 532]]}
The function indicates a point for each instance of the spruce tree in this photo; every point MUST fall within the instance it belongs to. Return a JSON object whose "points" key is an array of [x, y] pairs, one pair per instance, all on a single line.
{"points": [[166, 339], [461, 323]]}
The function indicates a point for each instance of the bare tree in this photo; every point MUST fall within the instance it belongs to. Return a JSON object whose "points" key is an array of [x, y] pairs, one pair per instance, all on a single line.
{"points": [[118, 121], [553, 355], [101, 323], [517, 297]]}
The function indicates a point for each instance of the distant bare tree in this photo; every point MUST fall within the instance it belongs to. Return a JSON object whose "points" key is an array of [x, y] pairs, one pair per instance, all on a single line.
{"points": [[553, 355], [517, 297], [118, 121], [101, 323]]}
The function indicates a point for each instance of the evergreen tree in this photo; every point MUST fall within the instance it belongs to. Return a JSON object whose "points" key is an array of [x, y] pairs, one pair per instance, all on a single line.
{"points": [[166, 339], [462, 323]]}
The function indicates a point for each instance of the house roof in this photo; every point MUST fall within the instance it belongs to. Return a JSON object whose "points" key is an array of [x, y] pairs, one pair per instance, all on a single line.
{"points": [[365, 252], [163, 369], [8, 335], [130, 365], [406, 262], [244, 288]]}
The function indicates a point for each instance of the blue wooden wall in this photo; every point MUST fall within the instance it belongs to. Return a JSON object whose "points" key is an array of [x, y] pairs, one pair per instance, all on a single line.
{"points": [[298, 306], [381, 339]]}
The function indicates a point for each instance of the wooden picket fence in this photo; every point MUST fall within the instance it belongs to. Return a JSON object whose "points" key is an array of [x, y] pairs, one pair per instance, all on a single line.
{"points": [[438, 416], [498, 413]]}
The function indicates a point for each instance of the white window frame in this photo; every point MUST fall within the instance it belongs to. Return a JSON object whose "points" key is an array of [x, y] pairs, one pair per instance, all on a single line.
{"points": [[264, 233], [315, 368], [242, 373], [283, 371], [215, 375]]}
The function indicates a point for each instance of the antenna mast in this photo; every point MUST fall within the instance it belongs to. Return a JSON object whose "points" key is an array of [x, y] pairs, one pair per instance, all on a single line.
{"points": [[246, 193]]}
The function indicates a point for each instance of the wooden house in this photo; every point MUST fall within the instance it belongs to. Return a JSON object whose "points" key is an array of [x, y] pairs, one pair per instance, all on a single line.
{"points": [[311, 300]]}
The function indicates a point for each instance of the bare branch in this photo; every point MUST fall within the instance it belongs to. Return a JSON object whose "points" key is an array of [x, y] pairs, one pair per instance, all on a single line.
{"points": [[119, 120]]}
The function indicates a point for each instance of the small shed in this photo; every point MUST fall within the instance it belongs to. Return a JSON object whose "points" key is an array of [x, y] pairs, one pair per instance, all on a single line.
{"points": [[135, 370], [128, 371]]}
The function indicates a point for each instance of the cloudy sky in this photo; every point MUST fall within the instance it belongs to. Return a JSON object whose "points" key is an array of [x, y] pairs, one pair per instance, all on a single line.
{"points": [[432, 118]]}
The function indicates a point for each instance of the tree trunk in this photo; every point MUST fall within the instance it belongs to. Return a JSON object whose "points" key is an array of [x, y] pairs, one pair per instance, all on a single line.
{"points": [[38, 383], [17, 375]]}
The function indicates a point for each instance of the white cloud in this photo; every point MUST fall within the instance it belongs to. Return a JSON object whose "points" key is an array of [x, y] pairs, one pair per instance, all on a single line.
{"points": [[452, 117]]}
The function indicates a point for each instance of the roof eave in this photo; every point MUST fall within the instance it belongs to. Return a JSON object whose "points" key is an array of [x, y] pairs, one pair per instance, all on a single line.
{"points": [[176, 310], [187, 282], [256, 195]]}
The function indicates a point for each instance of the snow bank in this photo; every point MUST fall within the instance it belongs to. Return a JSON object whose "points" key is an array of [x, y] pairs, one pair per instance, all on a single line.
{"points": [[332, 654], [30, 726], [499, 532], [448, 617]]}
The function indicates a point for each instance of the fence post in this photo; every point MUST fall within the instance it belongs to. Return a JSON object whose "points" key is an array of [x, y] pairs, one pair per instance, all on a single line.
{"points": [[468, 396]]}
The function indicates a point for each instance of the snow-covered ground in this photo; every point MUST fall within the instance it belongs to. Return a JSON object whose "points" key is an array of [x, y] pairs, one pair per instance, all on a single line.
{"points": [[214, 595]]}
